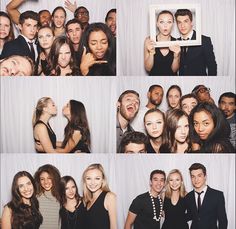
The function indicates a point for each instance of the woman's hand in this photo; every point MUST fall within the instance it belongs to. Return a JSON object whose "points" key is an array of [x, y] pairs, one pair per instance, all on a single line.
{"points": [[149, 45]]}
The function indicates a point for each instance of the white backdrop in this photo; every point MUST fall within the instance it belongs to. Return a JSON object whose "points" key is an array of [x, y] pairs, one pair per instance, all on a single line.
{"points": [[218, 22], [19, 97], [128, 175]]}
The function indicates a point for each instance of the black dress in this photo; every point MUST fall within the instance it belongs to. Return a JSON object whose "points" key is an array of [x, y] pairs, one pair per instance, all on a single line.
{"points": [[175, 217], [162, 64], [73, 220], [97, 216], [51, 135]]}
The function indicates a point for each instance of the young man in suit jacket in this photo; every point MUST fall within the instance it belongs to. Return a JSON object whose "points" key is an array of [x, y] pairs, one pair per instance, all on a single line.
{"points": [[24, 44], [205, 206], [194, 60]]}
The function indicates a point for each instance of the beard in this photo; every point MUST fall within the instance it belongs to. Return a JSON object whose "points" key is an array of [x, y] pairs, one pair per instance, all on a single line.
{"points": [[125, 115], [155, 102]]}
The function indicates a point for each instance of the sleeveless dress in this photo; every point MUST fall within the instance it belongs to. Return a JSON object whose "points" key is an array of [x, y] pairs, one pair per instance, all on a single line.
{"points": [[73, 220], [97, 216], [51, 134], [162, 64], [175, 217]]}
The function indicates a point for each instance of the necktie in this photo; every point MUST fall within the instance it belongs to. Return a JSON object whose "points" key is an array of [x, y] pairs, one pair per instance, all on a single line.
{"points": [[32, 53], [185, 48], [199, 200]]}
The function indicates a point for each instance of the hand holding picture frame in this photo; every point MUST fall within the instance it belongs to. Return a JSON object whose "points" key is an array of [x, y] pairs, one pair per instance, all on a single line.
{"points": [[154, 11]]}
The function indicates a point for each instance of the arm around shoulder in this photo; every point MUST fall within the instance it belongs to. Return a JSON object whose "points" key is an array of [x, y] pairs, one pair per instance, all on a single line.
{"points": [[6, 218]]}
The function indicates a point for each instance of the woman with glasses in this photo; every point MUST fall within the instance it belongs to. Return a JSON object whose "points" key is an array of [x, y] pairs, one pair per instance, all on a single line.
{"points": [[209, 129], [203, 94]]}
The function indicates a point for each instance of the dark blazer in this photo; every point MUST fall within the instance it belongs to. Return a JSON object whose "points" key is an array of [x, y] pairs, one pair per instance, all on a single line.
{"points": [[199, 60], [211, 212], [18, 46]]}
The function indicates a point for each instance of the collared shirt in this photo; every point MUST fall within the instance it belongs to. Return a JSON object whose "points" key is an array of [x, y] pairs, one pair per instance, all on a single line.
{"points": [[34, 45], [201, 196], [189, 37]]}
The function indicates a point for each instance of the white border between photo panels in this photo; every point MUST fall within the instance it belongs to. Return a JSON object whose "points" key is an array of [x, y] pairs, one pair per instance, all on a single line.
{"points": [[195, 8]]}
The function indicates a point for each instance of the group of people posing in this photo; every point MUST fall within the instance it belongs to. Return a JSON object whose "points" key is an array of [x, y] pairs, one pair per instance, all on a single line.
{"points": [[204, 206], [48, 200], [192, 123], [76, 134], [185, 61], [49, 45]]}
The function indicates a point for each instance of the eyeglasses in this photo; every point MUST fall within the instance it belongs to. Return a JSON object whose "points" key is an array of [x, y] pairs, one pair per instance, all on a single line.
{"points": [[203, 90], [85, 13]]}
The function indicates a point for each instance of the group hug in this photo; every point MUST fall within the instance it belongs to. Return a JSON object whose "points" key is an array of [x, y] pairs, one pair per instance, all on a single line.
{"points": [[76, 133], [51, 45], [192, 123], [49, 201]]}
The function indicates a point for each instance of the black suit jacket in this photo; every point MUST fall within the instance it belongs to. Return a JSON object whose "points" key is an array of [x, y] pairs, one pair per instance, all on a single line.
{"points": [[199, 60], [211, 212], [18, 46]]}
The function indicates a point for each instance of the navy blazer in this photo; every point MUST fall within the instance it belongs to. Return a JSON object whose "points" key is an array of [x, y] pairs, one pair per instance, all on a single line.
{"points": [[211, 212], [199, 60], [18, 46]]}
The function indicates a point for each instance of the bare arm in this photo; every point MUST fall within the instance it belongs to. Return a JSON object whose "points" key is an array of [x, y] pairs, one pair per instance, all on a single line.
{"points": [[12, 10], [6, 218], [76, 137], [149, 52], [110, 205], [130, 220], [176, 61], [41, 134]]}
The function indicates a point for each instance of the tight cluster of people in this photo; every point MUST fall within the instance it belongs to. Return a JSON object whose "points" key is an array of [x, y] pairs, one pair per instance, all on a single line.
{"points": [[48, 200], [192, 123], [76, 134], [168, 198], [50, 46]]}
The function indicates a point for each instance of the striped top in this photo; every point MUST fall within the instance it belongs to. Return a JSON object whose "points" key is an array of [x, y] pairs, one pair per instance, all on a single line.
{"points": [[49, 208]]}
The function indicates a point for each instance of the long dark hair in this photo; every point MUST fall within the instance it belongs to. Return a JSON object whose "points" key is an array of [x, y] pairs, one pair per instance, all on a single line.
{"points": [[22, 213], [54, 55], [11, 35], [54, 11], [110, 55], [78, 121], [218, 140], [54, 174], [64, 181]]}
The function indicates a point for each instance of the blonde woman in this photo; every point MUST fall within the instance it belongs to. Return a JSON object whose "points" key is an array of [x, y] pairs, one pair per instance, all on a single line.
{"points": [[174, 203], [99, 200]]}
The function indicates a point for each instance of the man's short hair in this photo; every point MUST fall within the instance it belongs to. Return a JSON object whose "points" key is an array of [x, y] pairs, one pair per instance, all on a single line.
{"points": [[110, 11], [77, 10], [151, 88], [42, 11], [127, 92], [157, 171], [197, 166], [29, 14], [184, 12], [73, 21], [133, 137], [187, 96], [228, 95]]}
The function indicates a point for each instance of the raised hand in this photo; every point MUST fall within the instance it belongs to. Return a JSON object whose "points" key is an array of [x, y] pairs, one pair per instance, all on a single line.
{"points": [[71, 7]]}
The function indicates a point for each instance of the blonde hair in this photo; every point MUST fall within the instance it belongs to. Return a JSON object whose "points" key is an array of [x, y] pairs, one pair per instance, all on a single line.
{"points": [[182, 190], [87, 194], [43, 102]]}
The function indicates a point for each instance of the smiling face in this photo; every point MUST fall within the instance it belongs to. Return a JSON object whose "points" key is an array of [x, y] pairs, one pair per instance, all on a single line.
{"points": [[165, 23], [25, 187], [111, 22], [70, 190], [129, 106], [157, 183], [4, 27], [94, 180], [45, 18], [173, 98], [175, 181], [15, 66], [45, 181], [29, 28], [45, 38], [98, 44], [59, 18], [64, 56], [198, 179], [182, 130], [154, 124]]}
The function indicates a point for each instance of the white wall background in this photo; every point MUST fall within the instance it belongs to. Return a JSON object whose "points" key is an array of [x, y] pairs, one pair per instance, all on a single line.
{"points": [[128, 175], [19, 97], [218, 22]]}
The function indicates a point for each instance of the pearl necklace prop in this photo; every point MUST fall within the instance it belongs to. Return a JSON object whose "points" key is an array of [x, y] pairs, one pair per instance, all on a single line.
{"points": [[154, 208]]}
